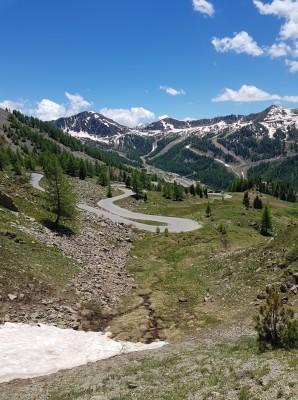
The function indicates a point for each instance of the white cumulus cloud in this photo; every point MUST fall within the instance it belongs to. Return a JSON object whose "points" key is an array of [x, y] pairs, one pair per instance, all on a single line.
{"points": [[77, 103], [48, 110], [13, 105], [172, 91], [203, 6], [291, 99], [240, 43], [279, 50], [129, 117], [245, 94], [293, 66], [287, 9]]}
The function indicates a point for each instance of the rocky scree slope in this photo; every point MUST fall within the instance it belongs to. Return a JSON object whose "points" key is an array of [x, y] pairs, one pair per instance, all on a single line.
{"points": [[100, 252]]}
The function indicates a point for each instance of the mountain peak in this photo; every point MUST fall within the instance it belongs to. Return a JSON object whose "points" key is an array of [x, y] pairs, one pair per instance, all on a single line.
{"points": [[90, 123]]}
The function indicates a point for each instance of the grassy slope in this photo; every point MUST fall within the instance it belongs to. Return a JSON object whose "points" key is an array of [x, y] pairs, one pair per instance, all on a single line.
{"points": [[27, 266], [232, 267], [167, 267], [193, 371]]}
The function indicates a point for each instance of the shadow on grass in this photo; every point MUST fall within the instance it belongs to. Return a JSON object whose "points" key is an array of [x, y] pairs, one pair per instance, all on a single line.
{"points": [[263, 233], [61, 230]]}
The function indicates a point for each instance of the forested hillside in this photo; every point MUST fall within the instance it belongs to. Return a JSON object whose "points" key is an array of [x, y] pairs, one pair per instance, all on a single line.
{"points": [[28, 144], [183, 161], [284, 170]]}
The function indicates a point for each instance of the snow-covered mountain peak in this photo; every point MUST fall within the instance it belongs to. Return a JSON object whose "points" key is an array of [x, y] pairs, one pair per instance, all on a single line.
{"points": [[90, 124], [278, 117]]}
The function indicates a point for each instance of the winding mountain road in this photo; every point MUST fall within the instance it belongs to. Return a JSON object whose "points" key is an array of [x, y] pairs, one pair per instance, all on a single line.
{"points": [[121, 215]]}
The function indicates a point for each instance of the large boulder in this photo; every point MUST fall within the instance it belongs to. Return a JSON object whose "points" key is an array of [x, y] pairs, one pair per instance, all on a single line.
{"points": [[7, 202]]}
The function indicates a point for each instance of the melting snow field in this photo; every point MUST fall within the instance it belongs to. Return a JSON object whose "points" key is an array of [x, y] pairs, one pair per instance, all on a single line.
{"points": [[28, 351]]}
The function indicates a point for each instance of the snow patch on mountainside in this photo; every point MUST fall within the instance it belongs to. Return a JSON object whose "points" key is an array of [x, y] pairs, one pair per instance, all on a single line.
{"points": [[27, 351], [280, 117]]}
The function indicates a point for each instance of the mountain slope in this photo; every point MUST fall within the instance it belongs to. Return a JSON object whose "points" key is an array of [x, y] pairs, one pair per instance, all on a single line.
{"points": [[237, 142], [89, 123]]}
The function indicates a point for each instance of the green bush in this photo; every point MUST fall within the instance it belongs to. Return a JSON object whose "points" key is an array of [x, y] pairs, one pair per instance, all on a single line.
{"points": [[275, 323]]}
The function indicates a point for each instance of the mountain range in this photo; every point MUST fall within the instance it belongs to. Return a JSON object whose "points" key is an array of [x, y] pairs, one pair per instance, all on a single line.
{"points": [[211, 150]]}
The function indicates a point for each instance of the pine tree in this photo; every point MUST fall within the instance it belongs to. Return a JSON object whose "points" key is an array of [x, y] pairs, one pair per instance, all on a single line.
{"points": [[104, 179], [257, 203], [192, 190], [275, 323], [60, 197], [82, 170], [136, 185], [128, 181], [246, 201], [109, 192], [177, 192], [266, 223]]}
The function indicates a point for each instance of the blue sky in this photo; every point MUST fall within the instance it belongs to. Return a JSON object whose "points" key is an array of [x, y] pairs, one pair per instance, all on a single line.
{"points": [[138, 60]]}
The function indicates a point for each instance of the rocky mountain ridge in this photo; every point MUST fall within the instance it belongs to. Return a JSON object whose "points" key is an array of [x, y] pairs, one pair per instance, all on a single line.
{"points": [[204, 149], [97, 126], [89, 123]]}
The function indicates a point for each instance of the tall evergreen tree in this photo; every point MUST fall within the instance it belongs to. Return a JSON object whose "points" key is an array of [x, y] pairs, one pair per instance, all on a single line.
{"points": [[82, 170], [136, 185], [246, 201], [60, 197], [266, 223], [257, 204], [104, 178], [177, 192], [109, 191], [192, 190], [199, 190]]}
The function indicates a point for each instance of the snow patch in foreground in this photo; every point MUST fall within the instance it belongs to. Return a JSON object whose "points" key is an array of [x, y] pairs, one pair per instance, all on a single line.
{"points": [[28, 351]]}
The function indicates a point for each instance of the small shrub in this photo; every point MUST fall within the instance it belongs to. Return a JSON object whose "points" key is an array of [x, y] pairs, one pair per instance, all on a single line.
{"points": [[275, 323], [222, 229]]}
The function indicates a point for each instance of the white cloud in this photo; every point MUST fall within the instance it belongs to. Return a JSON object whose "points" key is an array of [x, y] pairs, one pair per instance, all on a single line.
{"points": [[172, 91], [128, 117], [295, 50], [291, 99], [77, 103], [245, 94], [293, 66], [46, 109], [279, 50], [240, 43], [13, 105], [163, 117], [203, 6], [287, 9]]}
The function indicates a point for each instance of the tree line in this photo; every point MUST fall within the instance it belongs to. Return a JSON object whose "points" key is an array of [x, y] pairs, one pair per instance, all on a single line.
{"points": [[281, 190]]}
